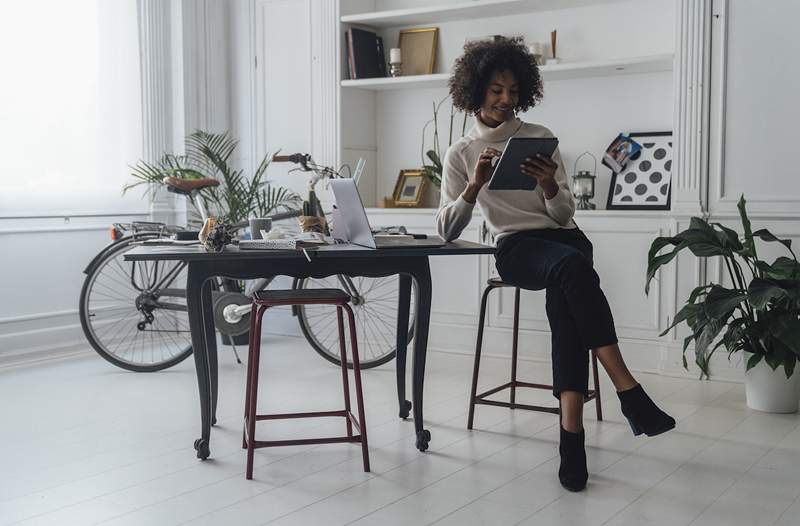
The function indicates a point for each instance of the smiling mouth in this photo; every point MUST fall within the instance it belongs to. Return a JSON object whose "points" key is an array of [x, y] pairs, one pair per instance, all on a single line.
{"points": [[503, 109]]}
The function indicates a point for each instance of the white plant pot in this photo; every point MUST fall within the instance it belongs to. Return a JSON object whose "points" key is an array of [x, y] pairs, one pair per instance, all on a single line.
{"points": [[769, 390]]}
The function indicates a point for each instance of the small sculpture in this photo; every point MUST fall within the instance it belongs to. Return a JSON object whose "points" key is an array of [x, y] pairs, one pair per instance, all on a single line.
{"points": [[215, 234]]}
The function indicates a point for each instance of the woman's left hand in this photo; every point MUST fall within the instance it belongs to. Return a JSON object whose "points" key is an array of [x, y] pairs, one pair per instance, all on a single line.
{"points": [[543, 169]]}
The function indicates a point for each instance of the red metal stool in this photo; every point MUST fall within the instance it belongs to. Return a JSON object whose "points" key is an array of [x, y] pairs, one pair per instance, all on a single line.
{"points": [[274, 298], [482, 398]]}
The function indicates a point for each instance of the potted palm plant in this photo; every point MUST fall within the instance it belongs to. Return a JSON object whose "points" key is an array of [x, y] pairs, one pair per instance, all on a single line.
{"points": [[759, 314], [238, 197]]}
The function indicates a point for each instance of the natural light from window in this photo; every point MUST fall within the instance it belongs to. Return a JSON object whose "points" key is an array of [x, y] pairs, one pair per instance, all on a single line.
{"points": [[70, 99]]}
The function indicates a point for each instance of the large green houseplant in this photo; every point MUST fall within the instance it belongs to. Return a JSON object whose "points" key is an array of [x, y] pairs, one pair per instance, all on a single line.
{"points": [[238, 196], [759, 313]]}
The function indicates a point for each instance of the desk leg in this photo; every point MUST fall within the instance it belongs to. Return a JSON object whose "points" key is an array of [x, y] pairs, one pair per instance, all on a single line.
{"points": [[211, 347], [195, 283], [422, 320], [403, 307]]}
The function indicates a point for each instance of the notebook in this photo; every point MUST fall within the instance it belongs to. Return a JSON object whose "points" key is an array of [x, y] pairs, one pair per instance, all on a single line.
{"points": [[365, 54]]}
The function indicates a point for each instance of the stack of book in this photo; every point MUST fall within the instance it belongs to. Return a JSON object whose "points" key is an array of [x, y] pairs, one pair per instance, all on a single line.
{"points": [[365, 56]]}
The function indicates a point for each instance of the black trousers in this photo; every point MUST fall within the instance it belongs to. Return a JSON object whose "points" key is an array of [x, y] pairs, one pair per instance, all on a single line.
{"points": [[560, 261]]}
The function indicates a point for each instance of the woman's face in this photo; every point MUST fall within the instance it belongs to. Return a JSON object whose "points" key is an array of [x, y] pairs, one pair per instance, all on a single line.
{"points": [[501, 98]]}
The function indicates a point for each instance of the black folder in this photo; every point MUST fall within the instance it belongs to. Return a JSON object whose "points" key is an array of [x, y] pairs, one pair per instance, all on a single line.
{"points": [[365, 54]]}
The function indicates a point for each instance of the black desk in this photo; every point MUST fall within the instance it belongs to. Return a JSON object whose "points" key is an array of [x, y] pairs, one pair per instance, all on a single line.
{"points": [[408, 263]]}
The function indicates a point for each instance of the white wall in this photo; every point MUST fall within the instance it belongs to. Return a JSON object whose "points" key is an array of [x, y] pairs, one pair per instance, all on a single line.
{"points": [[755, 107]]}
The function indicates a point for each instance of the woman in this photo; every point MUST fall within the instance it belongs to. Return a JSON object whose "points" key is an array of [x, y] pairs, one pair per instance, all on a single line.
{"points": [[539, 246]]}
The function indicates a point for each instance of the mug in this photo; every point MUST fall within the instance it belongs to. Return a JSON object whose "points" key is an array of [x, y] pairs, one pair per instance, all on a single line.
{"points": [[257, 224]]}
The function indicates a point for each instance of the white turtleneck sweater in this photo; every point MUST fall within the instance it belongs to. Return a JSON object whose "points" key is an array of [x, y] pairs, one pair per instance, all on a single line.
{"points": [[505, 211]]}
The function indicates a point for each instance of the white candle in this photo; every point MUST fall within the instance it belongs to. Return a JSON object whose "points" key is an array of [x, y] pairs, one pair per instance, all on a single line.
{"points": [[394, 55]]}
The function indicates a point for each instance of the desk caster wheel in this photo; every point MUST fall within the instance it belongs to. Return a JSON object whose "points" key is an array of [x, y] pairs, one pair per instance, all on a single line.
{"points": [[405, 409], [201, 446], [423, 437]]}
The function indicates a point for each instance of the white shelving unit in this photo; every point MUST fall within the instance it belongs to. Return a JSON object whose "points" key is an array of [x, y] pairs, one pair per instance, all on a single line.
{"points": [[615, 74], [574, 70], [462, 11]]}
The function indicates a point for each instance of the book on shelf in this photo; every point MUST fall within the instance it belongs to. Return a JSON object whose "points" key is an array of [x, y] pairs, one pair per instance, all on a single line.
{"points": [[365, 54]]}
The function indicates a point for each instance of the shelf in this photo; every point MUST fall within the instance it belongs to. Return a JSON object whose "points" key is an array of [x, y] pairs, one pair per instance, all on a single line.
{"points": [[437, 80], [462, 11], [568, 70]]}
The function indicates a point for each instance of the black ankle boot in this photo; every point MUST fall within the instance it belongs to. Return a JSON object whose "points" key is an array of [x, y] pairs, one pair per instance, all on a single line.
{"points": [[572, 472], [643, 414]]}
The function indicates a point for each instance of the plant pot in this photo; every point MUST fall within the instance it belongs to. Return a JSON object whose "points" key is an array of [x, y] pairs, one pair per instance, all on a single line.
{"points": [[431, 196], [769, 390]]}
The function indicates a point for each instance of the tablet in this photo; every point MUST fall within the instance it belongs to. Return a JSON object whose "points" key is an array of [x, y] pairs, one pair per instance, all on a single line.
{"points": [[507, 174]]}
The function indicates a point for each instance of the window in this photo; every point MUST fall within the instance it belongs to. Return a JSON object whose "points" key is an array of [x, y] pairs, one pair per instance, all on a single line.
{"points": [[70, 106]]}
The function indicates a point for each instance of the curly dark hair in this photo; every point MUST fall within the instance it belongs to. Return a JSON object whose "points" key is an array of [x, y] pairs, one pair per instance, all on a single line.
{"points": [[481, 61]]}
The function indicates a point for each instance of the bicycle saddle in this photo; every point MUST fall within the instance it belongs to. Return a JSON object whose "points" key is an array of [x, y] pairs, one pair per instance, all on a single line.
{"points": [[187, 186]]}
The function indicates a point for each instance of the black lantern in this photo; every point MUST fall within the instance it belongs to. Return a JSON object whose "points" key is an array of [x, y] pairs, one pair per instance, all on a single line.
{"points": [[583, 184]]}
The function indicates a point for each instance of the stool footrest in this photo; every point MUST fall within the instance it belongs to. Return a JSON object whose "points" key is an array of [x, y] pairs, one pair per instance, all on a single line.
{"points": [[257, 444], [316, 414], [493, 391], [481, 398], [306, 441], [517, 406]]}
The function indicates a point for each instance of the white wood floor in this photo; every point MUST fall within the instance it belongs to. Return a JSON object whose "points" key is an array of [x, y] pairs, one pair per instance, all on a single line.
{"points": [[85, 443]]}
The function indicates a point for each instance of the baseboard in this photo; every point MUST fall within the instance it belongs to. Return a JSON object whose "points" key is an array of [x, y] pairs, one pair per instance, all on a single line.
{"points": [[27, 355], [29, 339]]}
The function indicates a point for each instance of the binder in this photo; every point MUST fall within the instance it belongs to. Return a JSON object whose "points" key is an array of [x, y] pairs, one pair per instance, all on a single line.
{"points": [[365, 54]]}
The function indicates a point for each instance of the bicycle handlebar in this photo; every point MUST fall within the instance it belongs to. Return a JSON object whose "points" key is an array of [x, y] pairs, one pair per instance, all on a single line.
{"points": [[297, 158]]}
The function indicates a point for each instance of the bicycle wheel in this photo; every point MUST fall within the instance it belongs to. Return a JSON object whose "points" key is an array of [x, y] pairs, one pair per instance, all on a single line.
{"points": [[134, 313], [375, 310]]}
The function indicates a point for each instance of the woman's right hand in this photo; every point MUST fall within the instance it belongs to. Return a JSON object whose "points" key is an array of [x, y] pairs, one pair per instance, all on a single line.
{"points": [[481, 174]]}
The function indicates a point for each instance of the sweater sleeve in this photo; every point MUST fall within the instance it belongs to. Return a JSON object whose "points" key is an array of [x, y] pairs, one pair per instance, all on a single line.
{"points": [[562, 206], [454, 212]]}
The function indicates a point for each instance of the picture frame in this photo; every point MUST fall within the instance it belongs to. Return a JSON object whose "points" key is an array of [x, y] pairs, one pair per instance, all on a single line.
{"points": [[409, 188], [619, 152], [645, 183], [418, 49]]}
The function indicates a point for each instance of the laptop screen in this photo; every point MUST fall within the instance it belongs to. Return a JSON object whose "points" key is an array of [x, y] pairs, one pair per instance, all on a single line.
{"points": [[352, 213]]}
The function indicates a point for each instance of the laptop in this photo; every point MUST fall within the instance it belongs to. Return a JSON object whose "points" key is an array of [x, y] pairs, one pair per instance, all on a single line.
{"points": [[354, 225]]}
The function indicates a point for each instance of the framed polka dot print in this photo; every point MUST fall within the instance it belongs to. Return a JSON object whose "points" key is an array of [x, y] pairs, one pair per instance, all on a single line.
{"points": [[645, 181]]}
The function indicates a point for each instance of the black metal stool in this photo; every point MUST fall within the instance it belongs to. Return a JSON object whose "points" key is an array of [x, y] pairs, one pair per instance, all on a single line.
{"points": [[482, 398], [273, 298]]}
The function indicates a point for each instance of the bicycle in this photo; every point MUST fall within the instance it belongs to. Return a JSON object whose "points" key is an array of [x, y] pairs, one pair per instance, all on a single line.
{"points": [[135, 316]]}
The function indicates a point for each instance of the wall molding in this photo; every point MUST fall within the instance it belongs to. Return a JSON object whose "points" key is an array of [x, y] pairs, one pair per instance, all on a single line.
{"points": [[70, 214], [690, 121], [722, 203], [155, 56], [50, 230], [325, 87], [41, 336]]}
